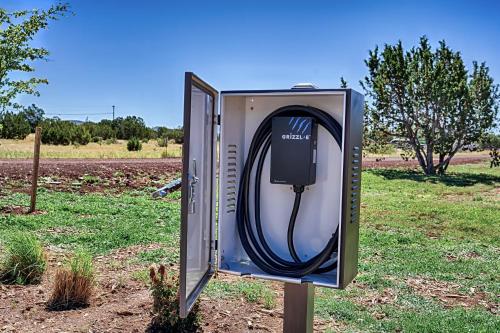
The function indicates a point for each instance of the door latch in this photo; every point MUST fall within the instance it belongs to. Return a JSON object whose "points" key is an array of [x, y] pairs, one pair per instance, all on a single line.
{"points": [[193, 180]]}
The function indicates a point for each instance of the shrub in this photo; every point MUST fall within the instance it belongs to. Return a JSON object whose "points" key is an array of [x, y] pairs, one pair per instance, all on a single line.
{"points": [[103, 129], [490, 141], [62, 132], [382, 149], [163, 142], [14, 125], [80, 136], [24, 261], [111, 141], [175, 134], [73, 285], [134, 144], [164, 289], [57, 132]]}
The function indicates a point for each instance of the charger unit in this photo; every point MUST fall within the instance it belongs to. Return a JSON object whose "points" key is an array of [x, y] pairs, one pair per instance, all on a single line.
{"points": [[293, 150], [255, 233]]}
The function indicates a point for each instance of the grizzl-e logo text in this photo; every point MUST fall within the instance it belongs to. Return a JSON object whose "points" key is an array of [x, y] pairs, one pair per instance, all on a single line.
{"points": [[295, 137], [298, 127]]}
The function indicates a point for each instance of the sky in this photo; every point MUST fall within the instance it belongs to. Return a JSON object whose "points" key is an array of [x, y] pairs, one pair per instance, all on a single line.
{"points": [[133, 54]]}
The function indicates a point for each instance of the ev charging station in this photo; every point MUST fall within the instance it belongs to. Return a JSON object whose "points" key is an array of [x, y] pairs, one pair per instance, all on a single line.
{"points": [[271, 189]]}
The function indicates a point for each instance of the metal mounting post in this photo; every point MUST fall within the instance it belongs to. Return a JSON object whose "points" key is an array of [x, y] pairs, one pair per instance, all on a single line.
{"points": [[299, 308]]}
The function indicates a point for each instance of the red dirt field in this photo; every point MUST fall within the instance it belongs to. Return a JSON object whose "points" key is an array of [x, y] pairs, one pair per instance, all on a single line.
{"points": [[396, 162], [90, 175]]}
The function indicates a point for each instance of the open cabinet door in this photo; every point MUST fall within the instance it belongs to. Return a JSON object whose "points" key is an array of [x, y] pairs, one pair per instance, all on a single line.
{"points": [[198, 190]]}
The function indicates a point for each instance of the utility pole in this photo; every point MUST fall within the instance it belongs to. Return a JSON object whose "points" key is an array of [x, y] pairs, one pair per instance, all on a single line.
{"points": [[113, 112]]}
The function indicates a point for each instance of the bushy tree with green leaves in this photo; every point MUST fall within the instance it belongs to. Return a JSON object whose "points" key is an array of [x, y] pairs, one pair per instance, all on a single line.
{"points": [[63, 132], [17, 30], [176, 134], [34, 116], [102, 130], [429, 97], [14, 125], [490, 141], [80, 135], [130, 127], [57, 132]]}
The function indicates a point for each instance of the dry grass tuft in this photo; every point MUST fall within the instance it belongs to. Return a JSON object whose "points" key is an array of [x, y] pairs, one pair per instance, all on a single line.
{"points": [[73, 285]]}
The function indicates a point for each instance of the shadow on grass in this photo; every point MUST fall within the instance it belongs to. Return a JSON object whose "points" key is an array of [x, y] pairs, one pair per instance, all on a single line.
{"points": [[450, 179]]}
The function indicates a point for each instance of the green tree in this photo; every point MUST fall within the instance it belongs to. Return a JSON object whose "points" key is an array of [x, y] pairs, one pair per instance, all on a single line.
{"points": [[17, 30], [428, 97], [102, 130], [130, 127], [34, 116], [80, 135], [14, 125], [57, 132], [490, 141]]}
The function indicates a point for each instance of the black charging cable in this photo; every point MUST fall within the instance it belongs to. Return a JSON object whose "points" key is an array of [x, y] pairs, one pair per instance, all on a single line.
{"points": [[298, 189], [256, 246]]}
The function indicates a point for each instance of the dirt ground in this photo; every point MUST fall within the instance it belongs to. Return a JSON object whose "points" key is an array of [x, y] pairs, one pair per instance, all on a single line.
{"points": [[397, 162], [91, 175], [122, 304]]}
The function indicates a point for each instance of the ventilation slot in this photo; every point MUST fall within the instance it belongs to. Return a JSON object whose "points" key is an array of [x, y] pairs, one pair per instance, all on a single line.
{"points": [[355, 177], [231, 177]]}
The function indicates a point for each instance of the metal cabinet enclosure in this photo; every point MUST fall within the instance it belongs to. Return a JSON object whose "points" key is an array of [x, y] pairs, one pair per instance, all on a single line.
{"points": [[333, 200]]}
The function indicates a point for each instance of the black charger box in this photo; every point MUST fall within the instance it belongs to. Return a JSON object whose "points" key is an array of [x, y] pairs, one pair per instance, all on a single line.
{"points": [[293, 150]]}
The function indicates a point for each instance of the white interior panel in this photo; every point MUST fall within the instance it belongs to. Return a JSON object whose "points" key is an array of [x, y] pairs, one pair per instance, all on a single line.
{"points": [[319, 213]]}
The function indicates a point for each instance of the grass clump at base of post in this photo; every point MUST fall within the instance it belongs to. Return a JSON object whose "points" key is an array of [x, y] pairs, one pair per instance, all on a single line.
{"points": [[165, 292], [74, 284], [24, 261]]}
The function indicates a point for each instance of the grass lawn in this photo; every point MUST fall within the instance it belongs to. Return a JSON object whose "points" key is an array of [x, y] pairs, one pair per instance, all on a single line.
{"points": [[429, 247], [24, 149]]}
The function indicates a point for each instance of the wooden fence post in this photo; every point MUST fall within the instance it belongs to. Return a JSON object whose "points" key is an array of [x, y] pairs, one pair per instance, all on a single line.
{"points": [[36, 163]]}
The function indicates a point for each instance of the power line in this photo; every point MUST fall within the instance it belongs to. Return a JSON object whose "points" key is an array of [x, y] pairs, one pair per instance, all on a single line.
{"points": [[79, 114], [62, 107]]}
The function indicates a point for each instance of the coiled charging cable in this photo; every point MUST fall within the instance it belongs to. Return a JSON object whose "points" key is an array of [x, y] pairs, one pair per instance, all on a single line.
{"points": [[256, 246]]}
